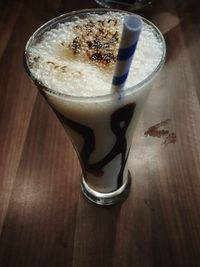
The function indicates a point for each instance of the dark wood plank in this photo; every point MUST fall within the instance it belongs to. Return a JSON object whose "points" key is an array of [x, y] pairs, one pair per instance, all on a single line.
{"points": [[15, 105], [8, 16], [188, 12], [42, 210]]}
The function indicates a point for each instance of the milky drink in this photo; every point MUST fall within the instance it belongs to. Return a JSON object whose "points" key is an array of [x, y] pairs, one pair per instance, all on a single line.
{"points": [[73, 63]]}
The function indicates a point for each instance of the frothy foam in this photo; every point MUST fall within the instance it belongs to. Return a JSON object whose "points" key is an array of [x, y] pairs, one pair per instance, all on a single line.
{"points": [[78, 57]]}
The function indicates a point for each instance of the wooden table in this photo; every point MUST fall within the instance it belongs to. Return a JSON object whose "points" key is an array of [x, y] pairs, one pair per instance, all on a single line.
{"points": [[44, 219]]}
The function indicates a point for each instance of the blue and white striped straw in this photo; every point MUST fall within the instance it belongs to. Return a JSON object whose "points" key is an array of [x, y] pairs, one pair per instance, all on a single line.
{"points": [[130, 35]]}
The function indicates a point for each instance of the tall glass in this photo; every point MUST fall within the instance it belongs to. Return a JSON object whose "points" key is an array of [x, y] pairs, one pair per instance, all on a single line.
{"points": [[100, 127], [124, 4]]}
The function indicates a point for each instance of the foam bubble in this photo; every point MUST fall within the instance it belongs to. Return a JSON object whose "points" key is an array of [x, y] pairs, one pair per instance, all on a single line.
{"points": [[78, 58]]}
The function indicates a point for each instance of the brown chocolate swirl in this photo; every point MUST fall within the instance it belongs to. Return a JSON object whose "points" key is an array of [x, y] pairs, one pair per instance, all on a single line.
{"points": [[120, 121]]}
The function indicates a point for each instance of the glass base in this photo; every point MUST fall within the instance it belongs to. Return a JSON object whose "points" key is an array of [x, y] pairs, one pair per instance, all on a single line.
{"points": [[107, 198], [127, 5]]}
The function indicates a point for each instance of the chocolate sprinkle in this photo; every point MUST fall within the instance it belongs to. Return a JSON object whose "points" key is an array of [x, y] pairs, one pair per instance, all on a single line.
{"points": [[96, 40], [76, 46]]}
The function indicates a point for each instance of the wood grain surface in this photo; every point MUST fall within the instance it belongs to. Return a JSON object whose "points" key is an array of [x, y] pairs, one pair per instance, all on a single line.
{"points": [[44, 219]]}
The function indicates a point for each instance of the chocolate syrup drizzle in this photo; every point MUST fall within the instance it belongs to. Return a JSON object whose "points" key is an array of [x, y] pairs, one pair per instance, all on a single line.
{"points": [[119, 123]]}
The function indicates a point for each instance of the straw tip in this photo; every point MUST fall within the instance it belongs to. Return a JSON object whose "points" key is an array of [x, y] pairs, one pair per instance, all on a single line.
{"points": [[133, 22]]}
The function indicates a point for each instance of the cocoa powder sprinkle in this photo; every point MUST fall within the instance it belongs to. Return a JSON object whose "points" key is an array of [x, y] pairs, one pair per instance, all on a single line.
{"points": [[155, 131], [97, 41]]}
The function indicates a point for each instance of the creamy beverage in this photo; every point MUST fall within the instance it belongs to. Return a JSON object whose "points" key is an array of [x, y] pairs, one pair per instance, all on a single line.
{"points": [[72, 61]]}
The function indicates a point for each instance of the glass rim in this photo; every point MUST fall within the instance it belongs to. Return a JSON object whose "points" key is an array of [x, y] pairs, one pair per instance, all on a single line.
{"points": [[120, 4], [128, 90]]}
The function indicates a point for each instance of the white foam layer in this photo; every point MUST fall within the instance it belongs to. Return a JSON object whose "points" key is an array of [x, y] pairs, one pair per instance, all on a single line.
{"points": [[62, 65]]}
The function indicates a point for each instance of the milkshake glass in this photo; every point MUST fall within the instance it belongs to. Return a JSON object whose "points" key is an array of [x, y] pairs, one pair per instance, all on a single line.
{"points": [[124, 4], [100, 127]]}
